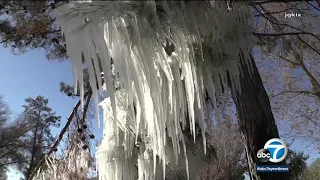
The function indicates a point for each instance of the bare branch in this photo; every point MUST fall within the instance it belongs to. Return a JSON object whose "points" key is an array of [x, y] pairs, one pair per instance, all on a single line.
{"points": [[318, 2], [295, 92], [276, 12], [274, 21], [280, 34], [271, 1], [314, 6], [313, 80], [308, 45], [283, 58], [13, 162]]}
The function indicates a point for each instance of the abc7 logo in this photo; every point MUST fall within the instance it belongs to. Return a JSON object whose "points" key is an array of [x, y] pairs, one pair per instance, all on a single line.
{"points": [[263, 155], [278, 152]]}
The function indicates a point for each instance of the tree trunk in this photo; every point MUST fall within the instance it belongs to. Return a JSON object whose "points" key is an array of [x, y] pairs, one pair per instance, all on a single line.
{"points": [[255, 118], [34, 150]]}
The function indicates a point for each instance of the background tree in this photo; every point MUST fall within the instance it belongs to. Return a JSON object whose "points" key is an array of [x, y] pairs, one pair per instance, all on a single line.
{"points": [[224, 136], [4, 116], [13, 143], [288, 59], [29, 25], [40, 118], [297, 164], [255, 118], [12, 139], [4, 112], [313, 171]]}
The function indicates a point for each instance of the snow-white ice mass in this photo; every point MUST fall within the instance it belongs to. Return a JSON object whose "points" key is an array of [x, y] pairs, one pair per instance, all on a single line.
{"points": [[161, 89]]}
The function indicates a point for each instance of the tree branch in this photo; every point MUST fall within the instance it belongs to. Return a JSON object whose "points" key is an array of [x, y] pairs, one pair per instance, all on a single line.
{"points": [[274, 21], [10, 150], [85, 109], [280, 34], [276, 12], [13, 162], [4, 41], [271, 1], [313, 80], [315, 6], [286, 59], [318, 2], [296, 92], [63, 131], [15, 136], [316, 51]]}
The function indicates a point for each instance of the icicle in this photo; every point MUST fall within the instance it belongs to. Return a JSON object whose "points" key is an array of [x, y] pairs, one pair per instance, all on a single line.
{"points": [[185, 156]]}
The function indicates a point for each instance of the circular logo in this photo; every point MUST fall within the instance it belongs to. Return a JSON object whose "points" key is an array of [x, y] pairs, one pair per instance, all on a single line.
{"points": [[278, 150], [263, 155]]}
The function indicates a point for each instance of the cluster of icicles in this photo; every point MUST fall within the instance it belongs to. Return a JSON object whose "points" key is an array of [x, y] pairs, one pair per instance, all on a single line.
{"points": [[159, 92]]}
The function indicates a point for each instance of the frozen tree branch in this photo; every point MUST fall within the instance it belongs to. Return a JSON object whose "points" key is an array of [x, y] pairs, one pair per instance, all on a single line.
{"points": [[63, 131], [86, 109]]}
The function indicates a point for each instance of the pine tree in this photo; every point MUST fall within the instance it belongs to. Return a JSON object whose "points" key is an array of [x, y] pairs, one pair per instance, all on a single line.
{"points": [[40, 118], [12, 139], [30, 25]]}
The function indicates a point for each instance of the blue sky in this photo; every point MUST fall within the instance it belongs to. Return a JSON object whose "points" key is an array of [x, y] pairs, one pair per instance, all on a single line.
{"points": [[31, 74]]}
